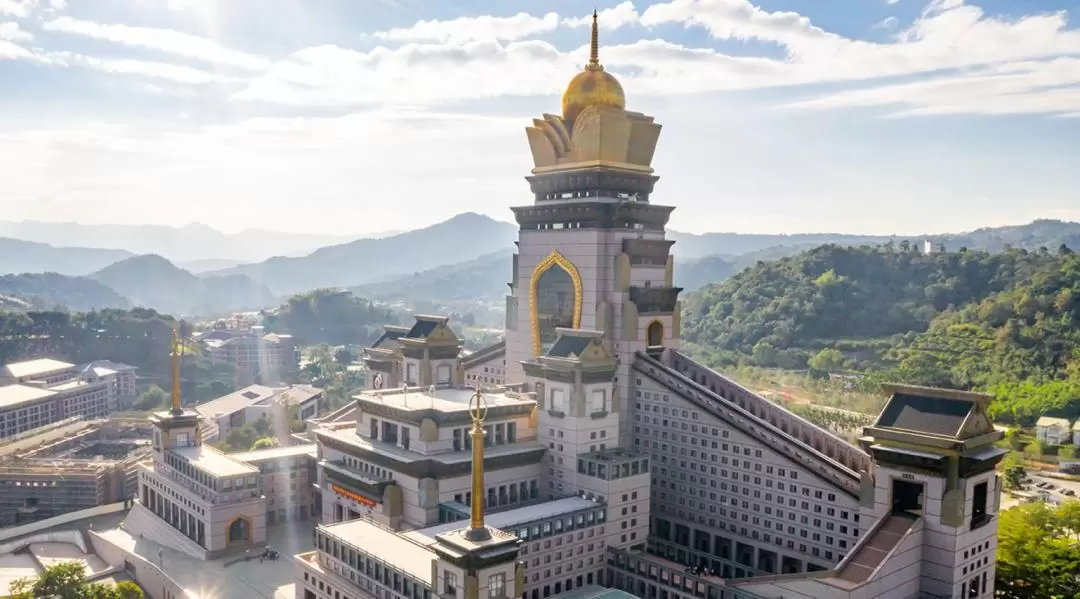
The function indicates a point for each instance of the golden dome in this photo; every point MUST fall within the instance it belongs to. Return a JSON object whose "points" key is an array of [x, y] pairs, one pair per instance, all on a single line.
{"points": [[593, 86]]}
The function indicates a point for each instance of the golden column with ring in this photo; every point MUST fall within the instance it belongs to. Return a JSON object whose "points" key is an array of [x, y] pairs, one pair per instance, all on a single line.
{"points": [[478, 411]]}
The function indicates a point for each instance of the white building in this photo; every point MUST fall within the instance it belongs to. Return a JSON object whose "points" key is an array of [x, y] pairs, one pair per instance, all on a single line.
{"points": [[38, 392], [255, 402], [1053, 431]]}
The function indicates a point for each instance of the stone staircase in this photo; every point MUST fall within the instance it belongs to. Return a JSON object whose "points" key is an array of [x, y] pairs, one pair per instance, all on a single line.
{"points": [[875, 549], [143, 524]]}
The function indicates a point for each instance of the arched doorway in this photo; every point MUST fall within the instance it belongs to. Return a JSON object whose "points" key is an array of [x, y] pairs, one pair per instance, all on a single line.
{"points": [[239, 531], [654, 334]]}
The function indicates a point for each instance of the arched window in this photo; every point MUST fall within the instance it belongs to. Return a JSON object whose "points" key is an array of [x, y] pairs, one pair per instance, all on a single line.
{"points": [[654, 334]]}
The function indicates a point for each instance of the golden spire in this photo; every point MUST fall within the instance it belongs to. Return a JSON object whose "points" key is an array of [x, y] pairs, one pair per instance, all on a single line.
{"points": [[594, 47], [478, 410], [592, 86], [176, 345]]}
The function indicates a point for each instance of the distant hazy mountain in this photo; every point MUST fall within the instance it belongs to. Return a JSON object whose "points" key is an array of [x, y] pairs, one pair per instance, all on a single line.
{"points": [[1040, 233], [17, 256], [481, 279], [154, 282], [199, 267], [181, 244], [51, 290], [464, 237]]}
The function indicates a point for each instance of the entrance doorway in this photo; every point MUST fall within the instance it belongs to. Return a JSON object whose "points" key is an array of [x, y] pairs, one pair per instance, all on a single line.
{"points": [[907, 497]]}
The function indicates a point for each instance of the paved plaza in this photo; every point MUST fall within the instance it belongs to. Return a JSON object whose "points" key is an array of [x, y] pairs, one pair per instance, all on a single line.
{"points": [[232, 576]]}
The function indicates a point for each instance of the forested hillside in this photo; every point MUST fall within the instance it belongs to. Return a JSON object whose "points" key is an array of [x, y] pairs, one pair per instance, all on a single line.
{"points": [[51, 290], [332, 317], [1006, 322]]}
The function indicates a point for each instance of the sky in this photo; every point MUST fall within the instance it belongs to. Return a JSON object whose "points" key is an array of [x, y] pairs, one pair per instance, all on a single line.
{"points": [[360, 116]]}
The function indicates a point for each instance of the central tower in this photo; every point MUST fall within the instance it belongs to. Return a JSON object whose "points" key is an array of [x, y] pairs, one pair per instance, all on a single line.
{"points": [[592, 252]]}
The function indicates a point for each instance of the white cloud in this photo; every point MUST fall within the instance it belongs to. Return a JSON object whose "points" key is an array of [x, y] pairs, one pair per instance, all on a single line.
{"points": [[265, 167], [10, 51], [891, 2], [466, 29], [17, 8], [163, 40], [11, 32], [886, 23], [153, 70]]}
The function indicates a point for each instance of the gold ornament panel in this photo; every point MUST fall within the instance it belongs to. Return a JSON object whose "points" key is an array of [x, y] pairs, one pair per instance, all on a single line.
{"points": [[553, 260]]}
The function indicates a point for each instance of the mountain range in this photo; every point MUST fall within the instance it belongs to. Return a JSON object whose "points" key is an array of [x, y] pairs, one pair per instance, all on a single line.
{"points": [[464, 260], [462, 238], [181, 244]]}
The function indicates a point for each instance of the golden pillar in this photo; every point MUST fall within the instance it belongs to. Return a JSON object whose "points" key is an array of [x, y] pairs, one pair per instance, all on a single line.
{"points": [[176, 346], [477, 410]]}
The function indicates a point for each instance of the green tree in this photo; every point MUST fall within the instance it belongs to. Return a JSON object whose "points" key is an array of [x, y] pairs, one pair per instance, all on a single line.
{"points": [[1013, 471], [152, 398], [1035, 449], [264, 443], [1067, 451], [1012, 437], [67, 580], [125, 589], [764, 354], [827, 360], [1038, 554]]}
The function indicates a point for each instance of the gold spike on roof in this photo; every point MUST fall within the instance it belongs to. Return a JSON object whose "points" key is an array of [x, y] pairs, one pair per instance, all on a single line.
{"points": [[593, 86]]}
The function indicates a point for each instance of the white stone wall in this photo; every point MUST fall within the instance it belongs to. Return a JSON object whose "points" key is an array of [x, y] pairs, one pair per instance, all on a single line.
{"points": [[685, 484]]}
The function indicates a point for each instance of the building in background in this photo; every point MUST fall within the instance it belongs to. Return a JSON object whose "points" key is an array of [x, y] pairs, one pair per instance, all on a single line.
{"points": [[255, 402], [257, 356], [38, 392], [287, 475], [70, 466]]}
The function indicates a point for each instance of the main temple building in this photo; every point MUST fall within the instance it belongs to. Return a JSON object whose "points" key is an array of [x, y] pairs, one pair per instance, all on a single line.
{"points": [[587, 450]]}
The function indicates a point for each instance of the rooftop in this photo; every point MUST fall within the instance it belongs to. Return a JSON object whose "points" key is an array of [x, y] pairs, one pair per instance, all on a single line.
{"points": [[13, 395], [69, 385], [399, 454], [446, 399], [1051, 421], [214, 462], [395, 549], [236, 401], [925, 414], [509, 519], [274, 453], [35, 367]]}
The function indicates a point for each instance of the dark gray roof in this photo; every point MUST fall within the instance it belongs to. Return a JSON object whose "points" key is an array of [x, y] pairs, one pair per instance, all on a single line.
{"points": [[925, 414], [392, 335], [569, 345], [421, 329]]}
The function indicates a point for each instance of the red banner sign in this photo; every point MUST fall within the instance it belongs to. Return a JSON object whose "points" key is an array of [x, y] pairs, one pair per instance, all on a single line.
{"points": [[353, 496]]}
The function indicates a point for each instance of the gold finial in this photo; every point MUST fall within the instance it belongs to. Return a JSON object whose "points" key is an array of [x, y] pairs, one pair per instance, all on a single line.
{"points": [[594, 47], [478, 411], [176, 407]]}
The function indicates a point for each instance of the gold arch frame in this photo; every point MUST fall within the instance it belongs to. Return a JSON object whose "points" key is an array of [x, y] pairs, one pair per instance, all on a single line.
{"points": [[553, 259], [655, 321], [250, 530]]}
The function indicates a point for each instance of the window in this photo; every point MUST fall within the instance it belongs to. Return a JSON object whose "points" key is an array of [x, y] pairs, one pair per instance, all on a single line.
{"points": [[449, 583], [558, 401], [410, 373], [978, 506], [598, 401], [443, 375]]}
